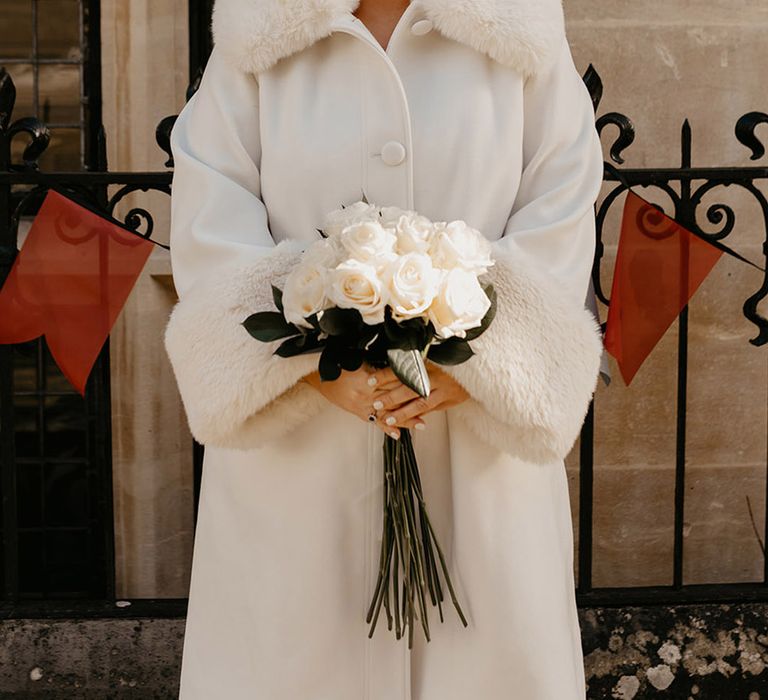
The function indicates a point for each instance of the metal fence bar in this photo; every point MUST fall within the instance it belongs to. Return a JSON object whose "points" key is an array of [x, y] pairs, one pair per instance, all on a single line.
{"points": [[586, 499], [686, 215], [7, 444]]}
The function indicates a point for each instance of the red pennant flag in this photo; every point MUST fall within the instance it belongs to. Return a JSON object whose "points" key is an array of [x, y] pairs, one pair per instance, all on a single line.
{"points": [[69, 282], [659, 266]]}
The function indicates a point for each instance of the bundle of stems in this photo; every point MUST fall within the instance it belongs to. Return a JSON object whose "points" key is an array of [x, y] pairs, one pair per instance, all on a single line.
{"points": [[408, 567]]}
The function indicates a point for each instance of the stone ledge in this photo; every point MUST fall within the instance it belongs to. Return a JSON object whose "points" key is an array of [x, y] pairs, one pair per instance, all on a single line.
{"points": [[708, 652]]}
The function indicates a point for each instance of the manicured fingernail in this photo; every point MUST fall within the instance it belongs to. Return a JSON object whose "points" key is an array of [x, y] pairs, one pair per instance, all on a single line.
{"points": [[420, 426], [391, 420], [393, 434], [372, 381], [378, 405]]}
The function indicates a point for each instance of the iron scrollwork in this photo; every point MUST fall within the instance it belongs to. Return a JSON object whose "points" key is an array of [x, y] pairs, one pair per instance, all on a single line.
{"points": [[23, 186], [686, 188]]}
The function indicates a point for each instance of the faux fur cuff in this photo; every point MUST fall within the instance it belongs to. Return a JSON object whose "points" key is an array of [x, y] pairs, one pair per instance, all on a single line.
{"points": [[535, 368], [236, 393]]}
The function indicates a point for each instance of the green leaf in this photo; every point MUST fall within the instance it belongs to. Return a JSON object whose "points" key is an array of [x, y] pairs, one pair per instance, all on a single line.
{"points": [[299, 345], [341, 321], [329, 365], [269, 325], [277, 295], [351, 360], [408, 366], [413, 334], [367, 336], [453, 351], [489, 315]]}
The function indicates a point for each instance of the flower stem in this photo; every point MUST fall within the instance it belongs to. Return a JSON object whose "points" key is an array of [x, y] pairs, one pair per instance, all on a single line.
{"points": [[408, 563]]}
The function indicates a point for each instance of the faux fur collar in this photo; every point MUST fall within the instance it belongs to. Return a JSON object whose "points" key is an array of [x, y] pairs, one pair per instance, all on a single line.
{"points": [[522, 34]]}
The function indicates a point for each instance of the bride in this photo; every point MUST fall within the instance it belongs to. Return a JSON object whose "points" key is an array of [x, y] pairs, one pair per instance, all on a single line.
{"points": [[457, 109]]}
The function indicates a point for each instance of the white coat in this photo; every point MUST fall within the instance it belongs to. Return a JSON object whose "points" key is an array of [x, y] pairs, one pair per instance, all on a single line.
{"points": [[474, 111]]}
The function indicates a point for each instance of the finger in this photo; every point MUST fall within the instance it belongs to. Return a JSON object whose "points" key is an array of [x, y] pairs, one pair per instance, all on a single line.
{"points": [[388, 400], [419, 423], [415, 423], [412, 409], [392, 430], [375, 384], [383, 378]]}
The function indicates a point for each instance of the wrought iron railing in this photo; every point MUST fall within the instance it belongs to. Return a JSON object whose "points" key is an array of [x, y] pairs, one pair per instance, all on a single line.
{"points": [[686, 187], [22, 186]]}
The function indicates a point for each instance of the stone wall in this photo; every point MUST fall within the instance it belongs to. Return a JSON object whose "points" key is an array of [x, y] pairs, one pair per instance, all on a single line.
{"points": [[145, 76]]}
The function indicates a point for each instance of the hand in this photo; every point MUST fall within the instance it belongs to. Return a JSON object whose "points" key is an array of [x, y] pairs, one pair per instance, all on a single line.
{"points": [[355, 392], [400, 407]]}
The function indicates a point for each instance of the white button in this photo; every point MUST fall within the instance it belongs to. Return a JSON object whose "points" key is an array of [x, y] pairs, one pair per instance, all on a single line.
{"points": [[393, 153], [423, 26]]}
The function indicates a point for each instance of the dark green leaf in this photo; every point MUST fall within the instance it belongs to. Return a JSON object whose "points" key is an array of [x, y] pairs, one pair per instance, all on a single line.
{"points": [[269, 325], [329, 365], [351, 360], [408, 366], [341, 321], [277, 295], [453, 351], [376, 352], [367, 336], [412, 334], [299, 345], [489, 315]]}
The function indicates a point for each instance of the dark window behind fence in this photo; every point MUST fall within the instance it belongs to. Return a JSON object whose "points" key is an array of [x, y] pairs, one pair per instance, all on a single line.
{"points": [[55, 451]]}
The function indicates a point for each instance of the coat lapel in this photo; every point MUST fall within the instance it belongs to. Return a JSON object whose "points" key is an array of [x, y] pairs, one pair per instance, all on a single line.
{"points": [[521, 34]]}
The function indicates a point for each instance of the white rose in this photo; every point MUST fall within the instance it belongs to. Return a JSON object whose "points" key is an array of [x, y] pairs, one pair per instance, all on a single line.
{"points": [[414, 233], [367, 241], [356, 285], [304, 292], [355, 213], [460, 304], [459, 245], [412, 283], [324, 253], [389, 216]]}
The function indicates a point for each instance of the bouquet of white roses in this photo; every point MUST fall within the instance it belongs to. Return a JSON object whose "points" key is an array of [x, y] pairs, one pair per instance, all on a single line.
{"points": [[389, 287]]}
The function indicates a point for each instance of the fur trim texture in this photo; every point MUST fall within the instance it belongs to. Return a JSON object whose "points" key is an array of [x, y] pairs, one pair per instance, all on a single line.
{"points": [[236, 393], [534, 370], [522, 34]]}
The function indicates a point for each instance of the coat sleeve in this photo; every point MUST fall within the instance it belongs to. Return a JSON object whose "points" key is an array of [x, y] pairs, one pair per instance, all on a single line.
{"points": [[235, 392], [536, 367]]}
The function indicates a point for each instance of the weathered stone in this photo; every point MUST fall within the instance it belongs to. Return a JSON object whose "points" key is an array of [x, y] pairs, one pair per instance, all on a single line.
{"points": [[715, 652], [90, 659], [151, 444]]}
